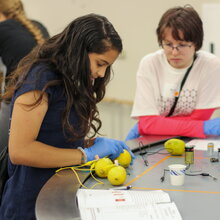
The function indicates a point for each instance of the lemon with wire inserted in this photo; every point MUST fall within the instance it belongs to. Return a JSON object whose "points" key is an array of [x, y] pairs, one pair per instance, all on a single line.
{"points": [[175, 146], [117, 175], [102, 166], [124, 159]]}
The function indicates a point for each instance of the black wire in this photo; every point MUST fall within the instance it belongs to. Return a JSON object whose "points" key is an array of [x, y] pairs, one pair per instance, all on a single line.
{"points": [[202, 174], [143, 153], [188, 174], [163, 177], [157, 152], [164, 172]]}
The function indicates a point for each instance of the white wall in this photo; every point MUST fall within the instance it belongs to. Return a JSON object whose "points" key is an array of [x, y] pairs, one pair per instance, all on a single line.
{"points": [[136, 22], [211, 21]]}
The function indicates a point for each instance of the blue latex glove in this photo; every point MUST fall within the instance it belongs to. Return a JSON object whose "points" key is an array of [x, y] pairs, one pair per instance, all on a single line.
{"points": [[106, 147], [133, 133], [212, 127]]}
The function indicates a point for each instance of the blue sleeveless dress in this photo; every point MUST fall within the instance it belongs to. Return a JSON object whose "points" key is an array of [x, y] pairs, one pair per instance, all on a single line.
{"points": [[24, 183]]}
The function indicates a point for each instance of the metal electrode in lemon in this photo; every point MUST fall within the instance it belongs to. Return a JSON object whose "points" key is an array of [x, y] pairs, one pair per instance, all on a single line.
{"points": [[102, 167], [124, 159], [175, 146]]}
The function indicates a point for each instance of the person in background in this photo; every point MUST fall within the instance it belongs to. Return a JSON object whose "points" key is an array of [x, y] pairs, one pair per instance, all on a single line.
{"points": [[18, 36], [177, 86], [55, 90]]}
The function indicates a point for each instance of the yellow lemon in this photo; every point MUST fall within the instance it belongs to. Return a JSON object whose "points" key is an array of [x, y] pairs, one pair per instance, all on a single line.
{"points": [[102, 166], [175, 146], [124, 158], [117, 175]]}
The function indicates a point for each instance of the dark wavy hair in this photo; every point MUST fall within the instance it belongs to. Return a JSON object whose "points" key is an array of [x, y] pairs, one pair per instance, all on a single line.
{"points": [[67, 54], [184, 19]]}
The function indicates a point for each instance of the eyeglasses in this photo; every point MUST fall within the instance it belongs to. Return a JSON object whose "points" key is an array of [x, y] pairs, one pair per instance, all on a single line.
{"points": [[181, 47]]}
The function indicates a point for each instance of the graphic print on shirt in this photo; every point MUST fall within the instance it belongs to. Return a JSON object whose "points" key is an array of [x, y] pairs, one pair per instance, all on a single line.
{"points": [[185, 105]]}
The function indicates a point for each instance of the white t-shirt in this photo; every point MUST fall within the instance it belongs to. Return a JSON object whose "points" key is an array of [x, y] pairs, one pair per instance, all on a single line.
{"points": [[157, 82]]}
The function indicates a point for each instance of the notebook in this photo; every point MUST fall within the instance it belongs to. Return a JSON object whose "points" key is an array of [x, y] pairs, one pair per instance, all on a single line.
{"points": [[147, 141]]}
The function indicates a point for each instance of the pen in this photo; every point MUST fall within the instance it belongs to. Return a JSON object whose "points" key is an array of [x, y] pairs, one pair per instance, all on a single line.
{"points": [[121, 188]]}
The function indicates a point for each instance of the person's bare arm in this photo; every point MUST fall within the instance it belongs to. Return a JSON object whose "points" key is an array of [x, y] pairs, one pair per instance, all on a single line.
{"points": [[25, 126]]}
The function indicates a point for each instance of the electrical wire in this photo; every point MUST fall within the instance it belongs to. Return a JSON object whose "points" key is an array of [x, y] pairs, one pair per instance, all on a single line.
{"points": [[144, 153], [89, 166], [190, 173]]}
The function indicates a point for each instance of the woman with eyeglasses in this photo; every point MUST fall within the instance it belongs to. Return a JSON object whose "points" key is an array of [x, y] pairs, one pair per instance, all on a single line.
{"points": [[177, 86]]}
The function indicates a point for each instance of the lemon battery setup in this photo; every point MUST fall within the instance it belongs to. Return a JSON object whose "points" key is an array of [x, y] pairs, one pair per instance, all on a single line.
{"points": [[173, 146], [177, 147], [104, 168]]}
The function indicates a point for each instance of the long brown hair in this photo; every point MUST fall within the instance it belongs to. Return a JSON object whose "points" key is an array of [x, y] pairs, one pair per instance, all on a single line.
{"points": [[67, 54]]}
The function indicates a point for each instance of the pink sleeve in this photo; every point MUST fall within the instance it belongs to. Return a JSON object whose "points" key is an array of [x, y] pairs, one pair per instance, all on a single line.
{"points": [[198, 114], [190, 126]]}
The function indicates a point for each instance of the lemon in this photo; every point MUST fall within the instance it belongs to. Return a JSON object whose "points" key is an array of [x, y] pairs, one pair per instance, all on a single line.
{"points": [[175, 146], [102, 167], [124, 158], [117, 175]]}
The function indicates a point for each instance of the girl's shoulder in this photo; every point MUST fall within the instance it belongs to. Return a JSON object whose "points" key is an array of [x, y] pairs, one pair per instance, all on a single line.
{"points": [[39, 76], [43, 71]]}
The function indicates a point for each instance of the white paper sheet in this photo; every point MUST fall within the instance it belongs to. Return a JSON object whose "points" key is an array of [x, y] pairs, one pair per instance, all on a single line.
{"points": [[129, 205], [201, 144]]}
